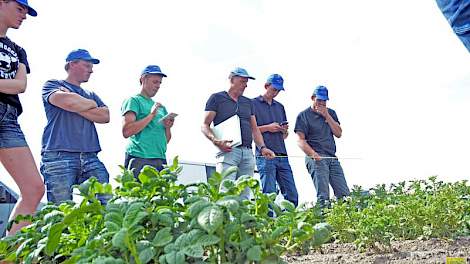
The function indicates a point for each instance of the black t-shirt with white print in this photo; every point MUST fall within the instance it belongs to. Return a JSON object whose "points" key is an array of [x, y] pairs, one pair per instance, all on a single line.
{"points": [[11, 55]]}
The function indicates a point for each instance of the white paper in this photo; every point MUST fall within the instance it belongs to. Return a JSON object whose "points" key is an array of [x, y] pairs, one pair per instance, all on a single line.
{"points": [[229, 130]]}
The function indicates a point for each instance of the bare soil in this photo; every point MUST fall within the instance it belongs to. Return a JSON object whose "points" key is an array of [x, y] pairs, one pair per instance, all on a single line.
{"points": [[409, 252]]}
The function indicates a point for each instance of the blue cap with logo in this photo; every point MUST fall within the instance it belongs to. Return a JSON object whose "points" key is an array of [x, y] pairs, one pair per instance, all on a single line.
{"points": [[153, 69], [276, 81], [321, 93], [81, 54], [31, 11], [241, 72]]}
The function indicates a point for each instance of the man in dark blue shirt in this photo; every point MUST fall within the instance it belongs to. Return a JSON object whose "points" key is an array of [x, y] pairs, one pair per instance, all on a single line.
{"points": [[220, 107], [315, 127], [272, 122]]}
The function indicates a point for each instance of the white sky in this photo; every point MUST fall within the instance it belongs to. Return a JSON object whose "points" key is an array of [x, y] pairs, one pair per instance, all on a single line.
{"points": [[398, 76]]}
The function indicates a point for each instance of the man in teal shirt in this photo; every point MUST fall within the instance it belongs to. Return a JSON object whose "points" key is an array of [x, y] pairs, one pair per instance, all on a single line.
{"points": [[148, 134]]}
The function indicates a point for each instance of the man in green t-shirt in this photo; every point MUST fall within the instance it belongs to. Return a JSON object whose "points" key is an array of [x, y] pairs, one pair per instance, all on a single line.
{"points": [[148, 134]]}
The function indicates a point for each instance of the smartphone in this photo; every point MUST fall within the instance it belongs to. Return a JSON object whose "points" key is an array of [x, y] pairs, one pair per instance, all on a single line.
{"points": [[283, 123], [168, 116]]}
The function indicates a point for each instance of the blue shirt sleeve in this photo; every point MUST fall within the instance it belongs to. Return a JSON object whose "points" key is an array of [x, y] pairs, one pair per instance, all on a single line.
{"points": [[301, 124], [255, 107], [333, 115], [49, 88], [284, 116], [98, 100], [211, 104]]}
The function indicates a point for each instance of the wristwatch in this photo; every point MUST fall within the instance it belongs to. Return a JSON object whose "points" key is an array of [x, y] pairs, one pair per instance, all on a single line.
{"points": [[261, 148]]}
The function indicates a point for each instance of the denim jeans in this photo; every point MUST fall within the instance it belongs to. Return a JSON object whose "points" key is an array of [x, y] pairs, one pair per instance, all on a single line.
{"points": [[136, 164], [11, 135], [277, 170], [325, 172], [241, 157], [457, 13], [63, 169]]}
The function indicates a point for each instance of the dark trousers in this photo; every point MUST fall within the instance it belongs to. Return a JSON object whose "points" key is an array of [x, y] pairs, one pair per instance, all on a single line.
{"points": [[135, 164]]}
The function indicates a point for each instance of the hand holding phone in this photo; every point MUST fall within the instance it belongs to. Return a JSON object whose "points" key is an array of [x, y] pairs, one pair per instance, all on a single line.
{"points": [[284, 127], [168, 116]]}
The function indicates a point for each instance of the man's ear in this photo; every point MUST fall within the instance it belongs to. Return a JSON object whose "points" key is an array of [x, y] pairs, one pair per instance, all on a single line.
{"points": [[313, 97], [266, 85]]}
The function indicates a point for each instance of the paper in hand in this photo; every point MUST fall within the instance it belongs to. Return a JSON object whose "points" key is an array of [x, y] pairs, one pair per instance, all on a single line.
{"points": [[229, 130]]}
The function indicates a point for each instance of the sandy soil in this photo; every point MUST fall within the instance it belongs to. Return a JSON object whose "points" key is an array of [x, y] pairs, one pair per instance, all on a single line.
{"points": [[409, 252]]}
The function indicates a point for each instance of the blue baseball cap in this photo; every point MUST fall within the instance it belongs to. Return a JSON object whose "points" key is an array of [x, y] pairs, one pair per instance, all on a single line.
{"points": [[240, 72], [31, 11], [321, 93], [153, 69], [276, 81], [81, 54]]}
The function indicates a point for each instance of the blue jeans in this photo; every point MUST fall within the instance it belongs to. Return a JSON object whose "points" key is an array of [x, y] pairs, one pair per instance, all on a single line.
{"points": [[11, 135], [325, 172], [457, 13], [241, 157], [62, 169], [277, 170], [136, 164]]}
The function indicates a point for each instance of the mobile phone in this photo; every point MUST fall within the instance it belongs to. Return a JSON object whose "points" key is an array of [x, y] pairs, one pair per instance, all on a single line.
{"points": [[283, 123], [168, 116]]}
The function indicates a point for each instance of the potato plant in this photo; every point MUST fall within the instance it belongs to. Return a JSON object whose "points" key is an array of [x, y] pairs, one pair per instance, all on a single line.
{"points": [[155, 220], [421, 209]]}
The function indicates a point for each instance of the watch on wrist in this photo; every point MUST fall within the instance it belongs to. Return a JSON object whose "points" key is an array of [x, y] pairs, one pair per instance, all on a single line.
{"points": [[261, 148]]}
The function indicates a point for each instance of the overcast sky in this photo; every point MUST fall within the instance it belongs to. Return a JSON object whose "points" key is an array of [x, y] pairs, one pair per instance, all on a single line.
{"points": [[398, 77]]}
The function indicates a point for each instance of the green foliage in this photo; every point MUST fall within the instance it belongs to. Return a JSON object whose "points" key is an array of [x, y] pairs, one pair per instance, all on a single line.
{"points": [[155, 220], [421, 209]]}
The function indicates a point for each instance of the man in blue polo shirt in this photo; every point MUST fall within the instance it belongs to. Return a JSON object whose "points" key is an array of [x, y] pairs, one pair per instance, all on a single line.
{"points": [[315, 127], [220, 107], [272, 122], [70, 142]]}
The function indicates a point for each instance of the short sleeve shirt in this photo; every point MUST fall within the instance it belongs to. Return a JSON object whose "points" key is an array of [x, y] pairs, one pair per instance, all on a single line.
{"points": [[151, 142], [68, 131], [225, 107], [11, 55], [318, 133], [266, 114]]}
